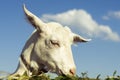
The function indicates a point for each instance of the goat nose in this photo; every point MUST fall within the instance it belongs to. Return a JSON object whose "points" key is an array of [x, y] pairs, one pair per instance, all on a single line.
{"points": [[72, 71]]}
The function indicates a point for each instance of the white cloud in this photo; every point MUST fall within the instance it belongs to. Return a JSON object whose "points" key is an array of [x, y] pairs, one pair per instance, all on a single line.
{"points": [[112, 14], [84, 22], [105, 18]]}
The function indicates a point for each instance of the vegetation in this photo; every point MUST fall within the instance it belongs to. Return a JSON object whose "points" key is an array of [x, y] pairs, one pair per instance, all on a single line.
{"points": [[84, 76]]}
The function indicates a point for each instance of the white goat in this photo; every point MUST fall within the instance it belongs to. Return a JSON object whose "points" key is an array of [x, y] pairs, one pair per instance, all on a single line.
{"points": [[48, 49]]}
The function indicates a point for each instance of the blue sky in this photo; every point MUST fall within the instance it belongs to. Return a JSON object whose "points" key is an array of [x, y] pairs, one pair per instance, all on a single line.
{"points": [[96, 19]]}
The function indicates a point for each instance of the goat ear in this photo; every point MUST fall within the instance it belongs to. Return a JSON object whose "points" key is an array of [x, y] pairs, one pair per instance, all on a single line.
{"points": [[34, 20], [78, 38]]}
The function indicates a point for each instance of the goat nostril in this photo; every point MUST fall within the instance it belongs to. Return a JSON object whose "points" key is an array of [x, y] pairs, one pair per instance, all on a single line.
{"points": [[72, 71]]}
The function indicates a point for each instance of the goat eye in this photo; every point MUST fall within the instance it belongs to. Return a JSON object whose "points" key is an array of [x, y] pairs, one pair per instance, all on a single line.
{"points": [[55, 43]]}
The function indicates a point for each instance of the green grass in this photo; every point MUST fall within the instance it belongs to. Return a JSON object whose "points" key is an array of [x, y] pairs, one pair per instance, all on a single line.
{"points": [[82, 77], [46, 77]]}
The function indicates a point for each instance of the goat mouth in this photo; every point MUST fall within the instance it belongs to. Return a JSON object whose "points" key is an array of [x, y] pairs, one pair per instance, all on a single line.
{"points": [[61, 72]]}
